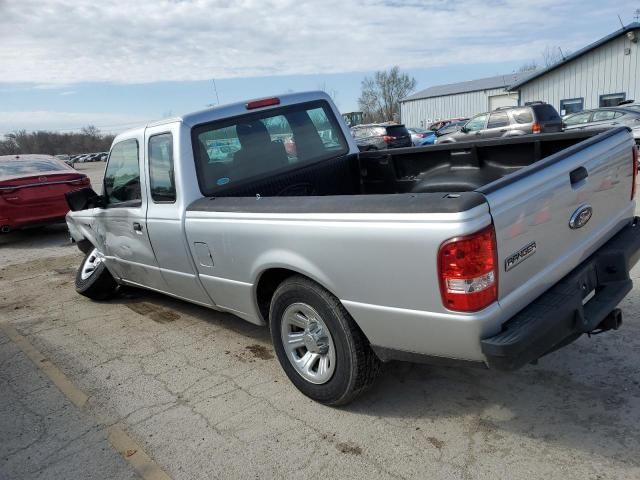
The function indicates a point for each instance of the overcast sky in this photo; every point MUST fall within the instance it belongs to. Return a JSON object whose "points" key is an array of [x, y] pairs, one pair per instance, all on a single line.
{"points": [[65, 64]]}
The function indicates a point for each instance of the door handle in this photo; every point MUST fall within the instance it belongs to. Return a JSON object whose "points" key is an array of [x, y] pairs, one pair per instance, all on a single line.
{"points": [[503, 130], [137, 227]]}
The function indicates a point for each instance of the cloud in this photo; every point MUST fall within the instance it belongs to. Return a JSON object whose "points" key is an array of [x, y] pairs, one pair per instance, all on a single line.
{"points": [[62, 42], [67, 121]]}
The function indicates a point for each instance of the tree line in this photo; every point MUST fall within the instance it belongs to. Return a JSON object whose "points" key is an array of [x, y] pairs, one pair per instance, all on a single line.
{"points": [[88, 140]]}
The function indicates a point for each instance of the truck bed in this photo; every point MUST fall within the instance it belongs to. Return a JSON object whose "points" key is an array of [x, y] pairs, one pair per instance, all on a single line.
{"points": [[450, 168]]}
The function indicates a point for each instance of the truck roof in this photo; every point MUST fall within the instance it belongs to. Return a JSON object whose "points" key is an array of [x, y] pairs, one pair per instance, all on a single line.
{"points": [[238, 108]]}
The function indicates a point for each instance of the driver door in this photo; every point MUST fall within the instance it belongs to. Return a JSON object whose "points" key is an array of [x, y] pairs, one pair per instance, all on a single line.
{"points": [[121, 227], [474, 127]]}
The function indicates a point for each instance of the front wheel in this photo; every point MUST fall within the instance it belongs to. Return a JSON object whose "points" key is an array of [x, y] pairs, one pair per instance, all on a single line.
{"points": [[93, 280], [318, 344]]}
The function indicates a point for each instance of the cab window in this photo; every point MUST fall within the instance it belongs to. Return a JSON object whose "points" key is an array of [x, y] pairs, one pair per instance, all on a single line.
{"points": [[122, 177], [161, 179]]}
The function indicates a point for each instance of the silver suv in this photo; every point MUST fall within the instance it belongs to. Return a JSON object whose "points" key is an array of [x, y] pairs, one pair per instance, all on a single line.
{"points": [[508, 122]]}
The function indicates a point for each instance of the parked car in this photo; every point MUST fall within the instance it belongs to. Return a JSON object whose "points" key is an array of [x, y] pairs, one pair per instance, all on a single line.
{"points": [[437, 125], [381, 136], [450, 127], [418, 134], [32, 189], [508, 122], [352, 258], [606, 118]]}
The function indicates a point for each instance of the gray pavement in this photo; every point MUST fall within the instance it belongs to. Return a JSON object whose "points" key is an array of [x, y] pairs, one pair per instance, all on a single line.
{"points": [[42, 434], [204, 396]]}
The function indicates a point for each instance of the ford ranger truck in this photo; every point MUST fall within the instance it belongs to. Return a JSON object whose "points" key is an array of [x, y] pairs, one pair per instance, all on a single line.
{"points": [[491, 253]]}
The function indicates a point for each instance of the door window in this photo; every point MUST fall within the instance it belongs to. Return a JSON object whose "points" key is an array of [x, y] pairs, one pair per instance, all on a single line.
{"points": [[161, 178], [578, 119], [612, 99], [122, 177], [476, 123], [498, 119]]}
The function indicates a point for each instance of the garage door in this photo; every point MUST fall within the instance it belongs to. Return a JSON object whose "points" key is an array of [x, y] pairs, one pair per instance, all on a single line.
{"points": [[504, 100]]}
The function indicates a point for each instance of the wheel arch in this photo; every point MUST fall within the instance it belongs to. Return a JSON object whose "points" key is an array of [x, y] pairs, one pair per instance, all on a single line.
{"points": [[270, 278]]}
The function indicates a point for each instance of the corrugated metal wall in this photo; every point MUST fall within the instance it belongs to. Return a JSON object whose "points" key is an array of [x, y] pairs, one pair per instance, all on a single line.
{"points": [[422, 112], [604, 70]]}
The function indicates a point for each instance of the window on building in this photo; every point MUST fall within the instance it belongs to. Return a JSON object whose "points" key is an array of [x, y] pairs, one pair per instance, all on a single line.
{"points": [[571, 105], [163, 188], [498, 119], [612, 99]]}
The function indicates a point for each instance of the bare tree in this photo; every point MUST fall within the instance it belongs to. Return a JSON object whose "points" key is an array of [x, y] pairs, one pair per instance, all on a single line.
{"points": [[528, 67], [380, 96], [553, 54]]}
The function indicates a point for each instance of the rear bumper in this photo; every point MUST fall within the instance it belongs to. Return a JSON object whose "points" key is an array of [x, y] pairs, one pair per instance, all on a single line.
{"points": [[558, 316]]}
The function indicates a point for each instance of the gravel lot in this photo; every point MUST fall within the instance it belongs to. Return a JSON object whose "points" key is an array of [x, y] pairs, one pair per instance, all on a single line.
{"points": [[203, 394]]}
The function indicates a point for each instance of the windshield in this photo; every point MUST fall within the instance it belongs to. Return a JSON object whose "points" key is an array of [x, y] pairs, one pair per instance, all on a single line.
{"points": [[232, 151]]}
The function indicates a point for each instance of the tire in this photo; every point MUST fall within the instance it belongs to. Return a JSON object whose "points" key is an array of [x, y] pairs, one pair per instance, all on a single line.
{"points": [[93, 280], [345, 365]]}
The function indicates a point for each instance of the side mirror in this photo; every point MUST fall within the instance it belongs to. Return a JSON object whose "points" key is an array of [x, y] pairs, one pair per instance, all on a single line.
{"points": [[84, 199], [464, 130]]}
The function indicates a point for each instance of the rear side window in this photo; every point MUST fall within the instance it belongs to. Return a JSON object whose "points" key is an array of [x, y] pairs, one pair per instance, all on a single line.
{"points": [[398, 131], [498, 119], [522, 115], [122, 177], [603, 115], [234, 150], [546, 113], [161, 178]]}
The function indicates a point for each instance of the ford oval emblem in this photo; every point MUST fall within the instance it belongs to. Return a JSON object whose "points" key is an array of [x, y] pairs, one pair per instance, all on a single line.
{"points": [[581, 217]]}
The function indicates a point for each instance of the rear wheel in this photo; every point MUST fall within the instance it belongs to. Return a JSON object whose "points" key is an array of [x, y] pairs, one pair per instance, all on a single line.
{"points": [[318, 344], [93, 280]]}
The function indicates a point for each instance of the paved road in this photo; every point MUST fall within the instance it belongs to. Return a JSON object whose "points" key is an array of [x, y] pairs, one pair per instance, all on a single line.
{"points": [[202, 393]]}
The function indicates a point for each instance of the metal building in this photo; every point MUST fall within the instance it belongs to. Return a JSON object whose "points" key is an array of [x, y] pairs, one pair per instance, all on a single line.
{"points": [[599, 75], [456, 100]]}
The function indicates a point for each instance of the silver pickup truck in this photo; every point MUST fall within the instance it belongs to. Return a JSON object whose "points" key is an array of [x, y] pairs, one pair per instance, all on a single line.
{"points": [[492, 253]]}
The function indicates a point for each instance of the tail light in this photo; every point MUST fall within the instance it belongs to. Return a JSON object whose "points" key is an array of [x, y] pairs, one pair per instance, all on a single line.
{"points": [[388, 138], [635, 172], [536, 128], [468, 271]]}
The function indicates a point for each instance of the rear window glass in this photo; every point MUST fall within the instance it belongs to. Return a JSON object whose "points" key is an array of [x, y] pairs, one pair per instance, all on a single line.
{"points": [[397, 131], [29, 167], [522, 115], [546, 113], [231, 151]]}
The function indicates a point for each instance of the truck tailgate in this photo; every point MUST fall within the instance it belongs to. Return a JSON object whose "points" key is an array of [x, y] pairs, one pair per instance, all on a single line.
{"points": [[532, 209]]}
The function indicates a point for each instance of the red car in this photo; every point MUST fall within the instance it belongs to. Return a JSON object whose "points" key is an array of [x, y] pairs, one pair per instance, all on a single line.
{"points": [[32, 189]]}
